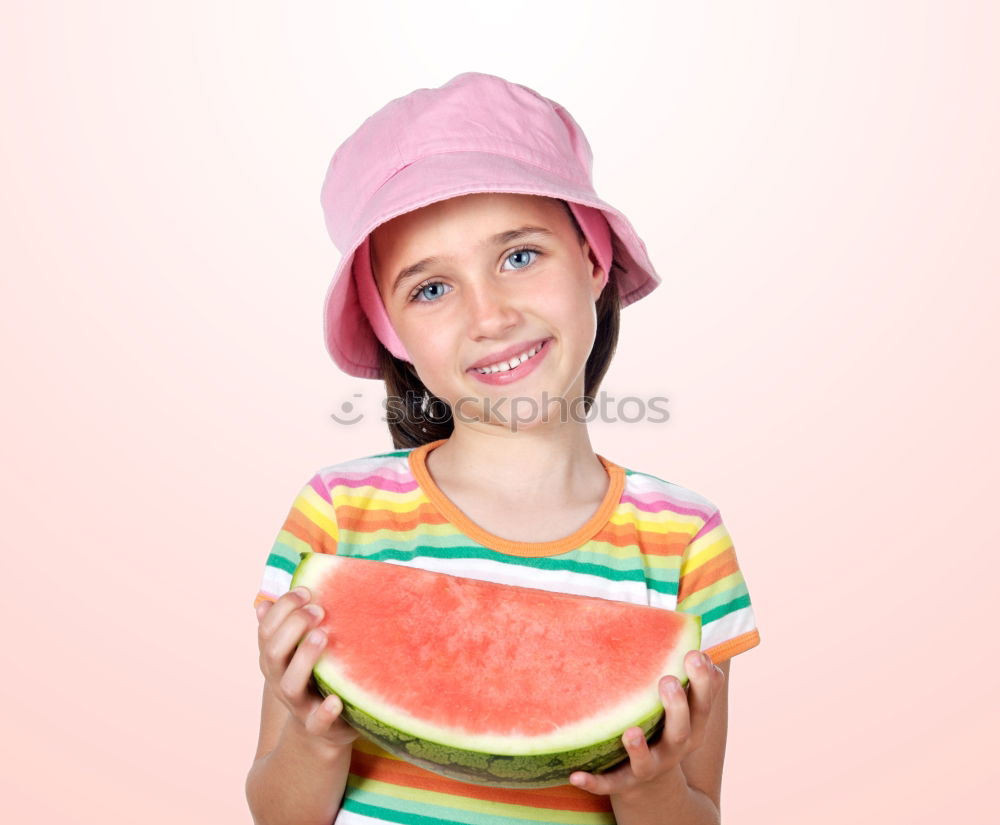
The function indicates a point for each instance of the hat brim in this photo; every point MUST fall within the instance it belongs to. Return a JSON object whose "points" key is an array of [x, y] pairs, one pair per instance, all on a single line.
{"points": [[349, 337]]}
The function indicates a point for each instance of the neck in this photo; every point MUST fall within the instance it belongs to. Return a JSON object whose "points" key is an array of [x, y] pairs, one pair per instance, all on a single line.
{"points": [[551, 465]]}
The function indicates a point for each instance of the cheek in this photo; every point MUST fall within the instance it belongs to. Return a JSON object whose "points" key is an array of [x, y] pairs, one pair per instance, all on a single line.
{"points": [[571, 306], [428, 346], [555, 302]]}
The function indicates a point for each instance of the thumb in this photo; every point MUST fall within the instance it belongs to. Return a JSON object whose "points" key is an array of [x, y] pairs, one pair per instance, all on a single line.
{"points": [[261, 609]]}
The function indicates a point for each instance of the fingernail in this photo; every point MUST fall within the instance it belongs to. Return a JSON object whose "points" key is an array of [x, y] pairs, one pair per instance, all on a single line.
{"points": [[314, 610], [302, 593], [705, 660]]}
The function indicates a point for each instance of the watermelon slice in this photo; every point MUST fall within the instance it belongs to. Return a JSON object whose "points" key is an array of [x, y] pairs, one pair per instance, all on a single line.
{"points": [[489, 683]]}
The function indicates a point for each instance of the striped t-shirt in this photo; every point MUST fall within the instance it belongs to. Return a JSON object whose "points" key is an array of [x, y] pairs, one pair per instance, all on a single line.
{"points": [[651, 542]]}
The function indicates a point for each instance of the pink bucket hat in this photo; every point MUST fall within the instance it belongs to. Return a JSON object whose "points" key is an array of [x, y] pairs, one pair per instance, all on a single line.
{"points": [[476, 133]]}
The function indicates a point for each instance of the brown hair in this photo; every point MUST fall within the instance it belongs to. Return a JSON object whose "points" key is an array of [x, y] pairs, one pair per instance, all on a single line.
{"points": [[412, 426]]}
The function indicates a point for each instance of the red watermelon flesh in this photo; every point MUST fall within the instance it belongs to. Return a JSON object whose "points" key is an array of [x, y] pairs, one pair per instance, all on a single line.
{"points": [[490, 683]]}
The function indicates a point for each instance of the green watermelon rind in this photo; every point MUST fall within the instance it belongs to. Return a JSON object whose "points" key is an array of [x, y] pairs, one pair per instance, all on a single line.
{"points": [[544, 770], [517, 770]]}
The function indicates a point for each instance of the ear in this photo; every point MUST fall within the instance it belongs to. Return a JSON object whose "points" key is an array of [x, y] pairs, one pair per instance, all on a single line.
{"points": [[596, 271]]}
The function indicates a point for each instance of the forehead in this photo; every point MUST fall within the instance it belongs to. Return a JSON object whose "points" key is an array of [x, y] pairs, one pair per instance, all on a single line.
{"points": [[455, 227]]}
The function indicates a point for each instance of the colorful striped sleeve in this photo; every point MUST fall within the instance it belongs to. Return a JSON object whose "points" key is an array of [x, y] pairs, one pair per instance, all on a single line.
{"points": [[712, 586], [311, 525]]}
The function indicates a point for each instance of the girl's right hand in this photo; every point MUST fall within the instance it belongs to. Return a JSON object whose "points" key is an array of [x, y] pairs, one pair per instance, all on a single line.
{"points": [[287, 663]]}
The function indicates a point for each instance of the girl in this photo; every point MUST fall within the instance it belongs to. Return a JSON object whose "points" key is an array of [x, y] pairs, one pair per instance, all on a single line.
{"points": [[482, 280]]}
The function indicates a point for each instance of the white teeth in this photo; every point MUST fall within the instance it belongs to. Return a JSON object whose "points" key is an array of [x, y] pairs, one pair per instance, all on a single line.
{"points": [[504, 366]]}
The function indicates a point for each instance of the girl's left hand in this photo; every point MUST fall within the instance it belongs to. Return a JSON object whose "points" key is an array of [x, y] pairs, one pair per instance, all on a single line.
{"points": [[683, 731]]}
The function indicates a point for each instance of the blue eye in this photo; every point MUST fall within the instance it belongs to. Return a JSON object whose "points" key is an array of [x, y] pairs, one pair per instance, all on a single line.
{"points": [[417, 291], [519, 251]]}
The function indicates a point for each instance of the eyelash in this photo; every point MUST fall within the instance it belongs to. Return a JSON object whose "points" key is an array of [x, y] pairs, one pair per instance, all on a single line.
{"points": [[417, 290]]}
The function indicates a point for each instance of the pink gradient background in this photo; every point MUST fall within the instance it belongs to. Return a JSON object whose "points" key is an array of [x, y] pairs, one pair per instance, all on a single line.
{"points": [[818, 186]]}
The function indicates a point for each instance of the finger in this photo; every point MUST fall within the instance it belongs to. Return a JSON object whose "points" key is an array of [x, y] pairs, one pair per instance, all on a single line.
{"points": [[294, 683], [281, 609], [603, 784], [640, 757], [278, 649], [705, 683], [677, 727], [718, 679], [324, 714]]}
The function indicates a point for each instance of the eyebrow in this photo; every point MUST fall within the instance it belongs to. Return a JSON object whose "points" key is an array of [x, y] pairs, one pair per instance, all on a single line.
{"points": [[499, 239]]}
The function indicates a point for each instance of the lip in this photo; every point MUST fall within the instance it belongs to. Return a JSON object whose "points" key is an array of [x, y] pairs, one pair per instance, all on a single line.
{"points": [[505, 354], [519, 373]]}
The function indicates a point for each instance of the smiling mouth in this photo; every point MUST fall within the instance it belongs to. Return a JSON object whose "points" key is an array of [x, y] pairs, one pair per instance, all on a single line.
{"points": [[513, 363]]}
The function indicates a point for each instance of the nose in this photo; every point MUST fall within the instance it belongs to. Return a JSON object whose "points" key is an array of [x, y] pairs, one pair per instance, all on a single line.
{"points": [[489, 310]]}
